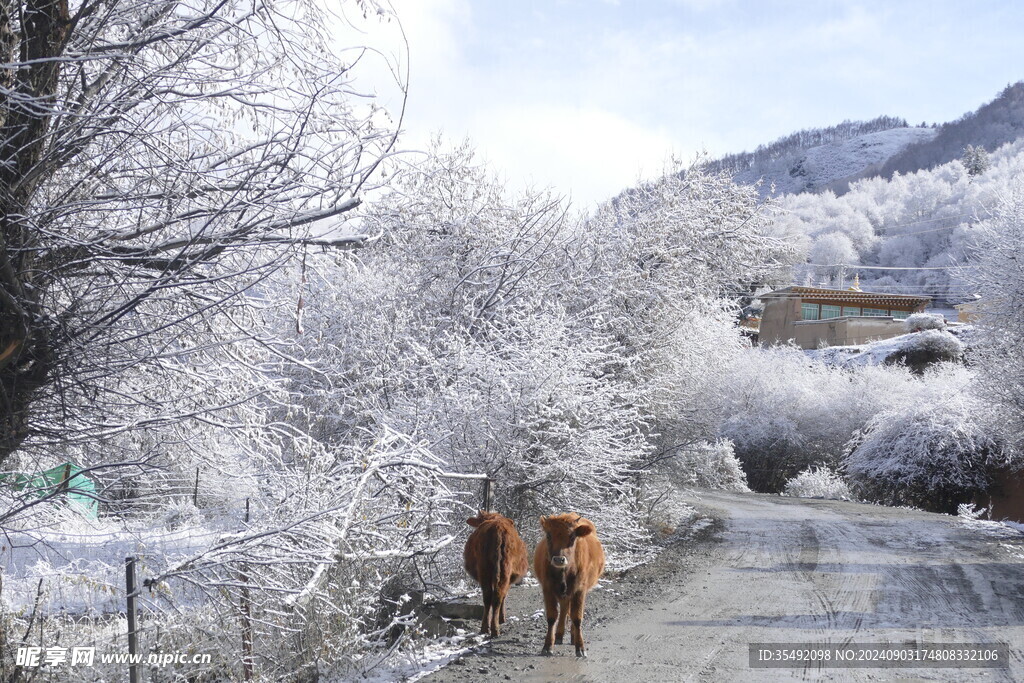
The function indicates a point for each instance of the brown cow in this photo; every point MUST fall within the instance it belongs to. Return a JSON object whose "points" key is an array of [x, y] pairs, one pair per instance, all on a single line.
{"points": [[568, 562], [495, 557]]}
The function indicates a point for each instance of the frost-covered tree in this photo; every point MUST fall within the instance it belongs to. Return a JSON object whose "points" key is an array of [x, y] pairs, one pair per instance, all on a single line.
{"points": [[156, 161], [922, 225], [159, 163], [975, 160], [466, 327], [997, 273], [674, 257], [833, 253]]}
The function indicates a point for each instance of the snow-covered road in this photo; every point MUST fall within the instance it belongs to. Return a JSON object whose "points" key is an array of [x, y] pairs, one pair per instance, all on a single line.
{"points": [[793, 570]]}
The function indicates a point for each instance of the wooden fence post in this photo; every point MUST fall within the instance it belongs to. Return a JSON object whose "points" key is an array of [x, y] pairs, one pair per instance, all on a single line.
{"points": [[488, 495], [246, 615], [65, 481], [133, 645]]}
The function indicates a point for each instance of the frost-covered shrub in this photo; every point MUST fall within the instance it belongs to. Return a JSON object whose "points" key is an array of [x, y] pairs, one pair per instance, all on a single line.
{"points": [[786, 412], [938, 343], [818, 482], [665, 509], [178, 514], [711, 465], [930, 454], [919, 322], [970, 511], [922, 350]]}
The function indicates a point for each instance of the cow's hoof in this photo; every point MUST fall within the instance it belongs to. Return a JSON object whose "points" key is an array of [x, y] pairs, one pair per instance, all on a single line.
{"points": [[582, 654], [547, 652]]}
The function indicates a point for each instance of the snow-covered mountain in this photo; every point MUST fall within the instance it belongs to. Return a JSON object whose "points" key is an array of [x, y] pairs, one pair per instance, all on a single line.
{"points": [[831, 158], [833, 165]]}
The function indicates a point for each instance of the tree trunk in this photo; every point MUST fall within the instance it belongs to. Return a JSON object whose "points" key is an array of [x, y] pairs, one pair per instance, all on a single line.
{"points": [[26, 340]]}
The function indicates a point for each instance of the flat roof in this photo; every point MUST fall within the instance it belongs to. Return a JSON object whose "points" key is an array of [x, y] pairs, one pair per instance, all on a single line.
{"points": [[849, 296]]}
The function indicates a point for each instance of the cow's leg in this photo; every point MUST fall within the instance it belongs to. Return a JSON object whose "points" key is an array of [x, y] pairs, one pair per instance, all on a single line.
{"points": [[501, 608], [576, 614], [485, 624], [563, 612], [495, 628], [551, 611], [497, 610]]}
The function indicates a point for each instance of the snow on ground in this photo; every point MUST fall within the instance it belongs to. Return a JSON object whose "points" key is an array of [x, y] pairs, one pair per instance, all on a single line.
{"points": [[875, 353], [414, 664], [81, 562], [1010, 534]]}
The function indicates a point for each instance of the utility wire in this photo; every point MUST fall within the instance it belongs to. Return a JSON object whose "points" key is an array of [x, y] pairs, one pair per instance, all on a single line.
{"points": [[855, 267]]}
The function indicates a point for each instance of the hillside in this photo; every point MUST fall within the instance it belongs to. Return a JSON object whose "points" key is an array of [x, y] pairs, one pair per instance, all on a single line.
{"points": [[994, 124], [834, 165], [819, 159]]}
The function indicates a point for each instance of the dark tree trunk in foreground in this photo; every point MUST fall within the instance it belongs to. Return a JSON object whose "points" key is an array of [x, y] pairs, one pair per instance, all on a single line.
{"points": [[27, 340], [158, 160]]}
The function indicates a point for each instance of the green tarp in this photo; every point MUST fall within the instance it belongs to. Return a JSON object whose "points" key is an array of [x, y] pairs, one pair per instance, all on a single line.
{"points": [[66, 480]]}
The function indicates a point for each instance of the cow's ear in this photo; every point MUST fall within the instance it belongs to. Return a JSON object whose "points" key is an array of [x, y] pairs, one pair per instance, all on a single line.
{"points": [[583, 529], [474, 521], [543, 520]]}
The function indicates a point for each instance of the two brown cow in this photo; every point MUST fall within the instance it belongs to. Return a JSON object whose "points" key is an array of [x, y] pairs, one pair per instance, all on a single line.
{"points": [[568, 562]]}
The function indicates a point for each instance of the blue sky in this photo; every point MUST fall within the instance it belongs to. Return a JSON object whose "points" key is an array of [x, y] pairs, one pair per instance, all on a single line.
{"points": [[587, 96]]}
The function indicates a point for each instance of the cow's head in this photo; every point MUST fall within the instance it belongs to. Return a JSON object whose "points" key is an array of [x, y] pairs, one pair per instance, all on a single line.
{"points": [[482, 517], [561, 532]]}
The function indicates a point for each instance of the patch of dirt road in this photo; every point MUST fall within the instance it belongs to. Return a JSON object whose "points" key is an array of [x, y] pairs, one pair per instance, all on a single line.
{"points": [[774, 570]]}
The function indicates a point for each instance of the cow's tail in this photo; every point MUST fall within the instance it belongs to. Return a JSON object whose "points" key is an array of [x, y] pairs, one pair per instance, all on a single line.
{"points": [[499, 576]]}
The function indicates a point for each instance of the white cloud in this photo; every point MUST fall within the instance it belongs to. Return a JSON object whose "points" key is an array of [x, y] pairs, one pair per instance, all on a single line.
{"points": [[432, 28], [584, 96], [593, 154]]}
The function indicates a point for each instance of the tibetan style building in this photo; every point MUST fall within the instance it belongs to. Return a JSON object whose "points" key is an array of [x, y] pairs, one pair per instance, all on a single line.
{"points": [[813, 317]]}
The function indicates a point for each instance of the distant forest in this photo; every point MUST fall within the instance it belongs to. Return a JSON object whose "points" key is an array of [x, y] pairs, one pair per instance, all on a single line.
{"points": [[991, 126]]}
